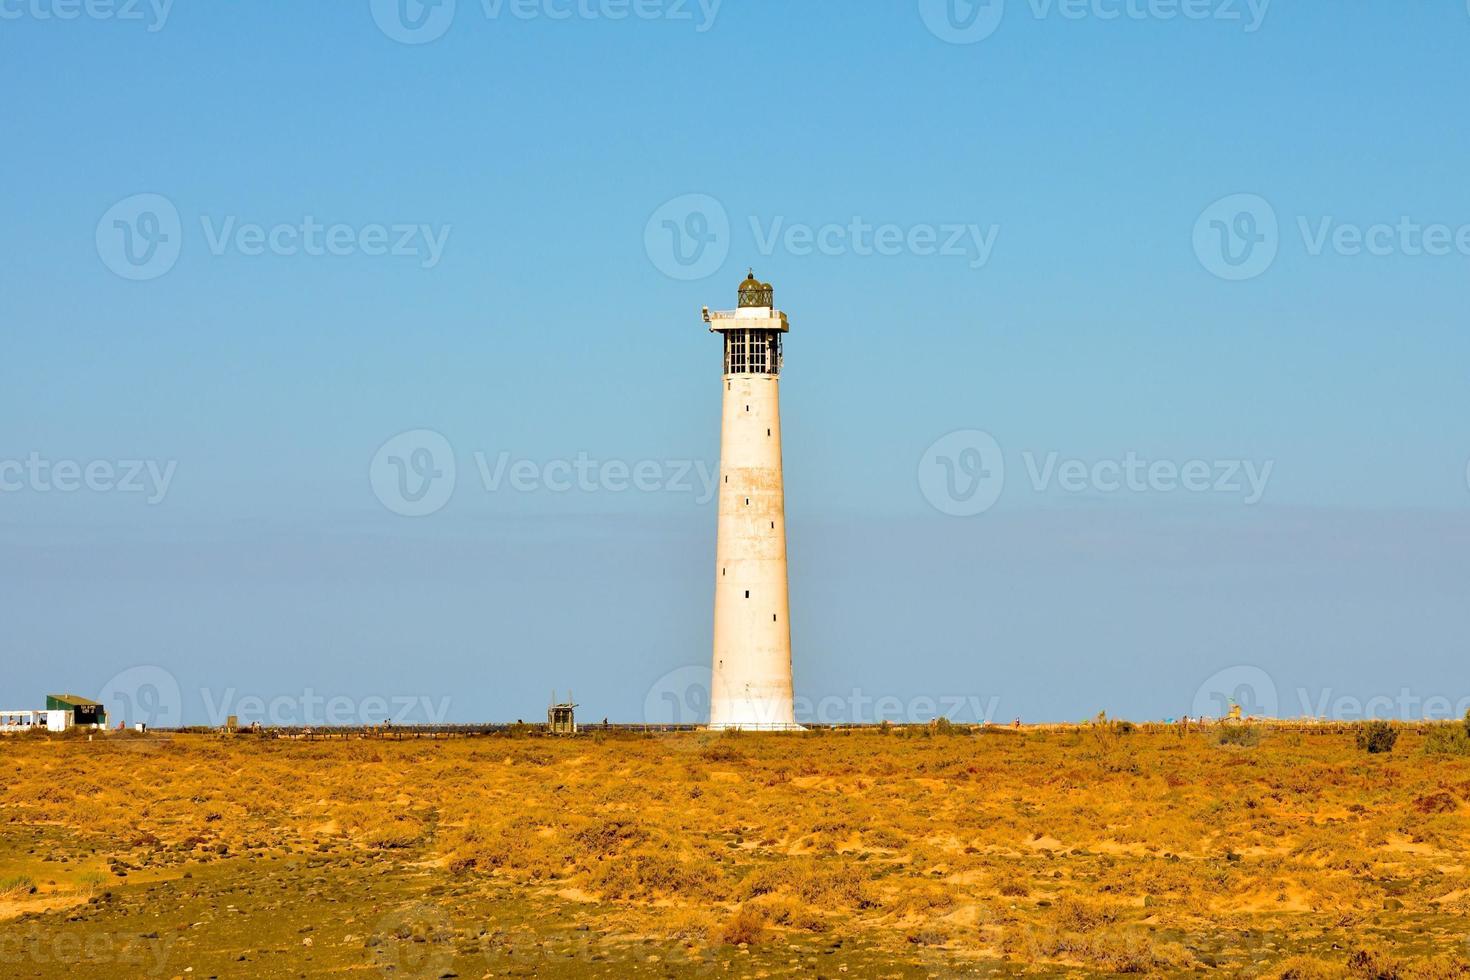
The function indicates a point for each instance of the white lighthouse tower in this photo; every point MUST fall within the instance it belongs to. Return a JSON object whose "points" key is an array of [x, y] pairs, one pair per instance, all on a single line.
{"points": [[751, 684]]}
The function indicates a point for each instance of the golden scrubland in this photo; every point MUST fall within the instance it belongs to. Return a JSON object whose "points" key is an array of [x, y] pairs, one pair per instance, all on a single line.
{"points": [[1090, 851]]}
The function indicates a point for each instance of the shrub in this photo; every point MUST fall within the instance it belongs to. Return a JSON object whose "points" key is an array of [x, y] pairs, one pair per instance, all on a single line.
{"points": [[748, 927], [1373, 963], [1076, 915], [1245, 736], [1447, 740], [1377, 737], [17, 885], [646, 875], [1306, 968]]}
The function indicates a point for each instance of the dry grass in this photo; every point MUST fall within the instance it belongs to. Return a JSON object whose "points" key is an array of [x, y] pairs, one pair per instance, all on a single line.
{"points": [[1102, 849]]}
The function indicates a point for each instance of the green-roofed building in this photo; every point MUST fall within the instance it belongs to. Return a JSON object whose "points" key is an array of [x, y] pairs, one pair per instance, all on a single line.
{"points": [[84, 711]]}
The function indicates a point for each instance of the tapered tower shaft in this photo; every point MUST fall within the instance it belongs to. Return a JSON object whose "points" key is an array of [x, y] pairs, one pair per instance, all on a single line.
{"points": [[751, 686]]}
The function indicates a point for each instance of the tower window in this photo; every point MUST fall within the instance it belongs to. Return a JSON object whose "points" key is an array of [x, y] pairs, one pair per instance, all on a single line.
{"points": [[747, 593], [752, 352], [773, 617]]}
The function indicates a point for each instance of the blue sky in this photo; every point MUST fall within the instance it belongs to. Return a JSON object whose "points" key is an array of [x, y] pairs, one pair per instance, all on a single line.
{"points": [[1120, 239]]}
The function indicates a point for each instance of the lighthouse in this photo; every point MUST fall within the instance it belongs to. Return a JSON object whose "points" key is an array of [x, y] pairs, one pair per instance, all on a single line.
{"points": [[751, 684]]}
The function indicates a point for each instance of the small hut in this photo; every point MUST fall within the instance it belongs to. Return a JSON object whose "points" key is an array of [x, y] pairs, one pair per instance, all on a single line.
{"points": [[561, 716]]}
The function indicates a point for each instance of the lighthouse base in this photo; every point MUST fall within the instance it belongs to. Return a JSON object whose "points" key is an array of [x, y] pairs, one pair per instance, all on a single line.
{"points": [[755, 726]]}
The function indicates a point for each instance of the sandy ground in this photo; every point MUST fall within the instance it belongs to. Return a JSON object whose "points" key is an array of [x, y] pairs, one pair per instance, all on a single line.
{"points": [[1081, 853]]}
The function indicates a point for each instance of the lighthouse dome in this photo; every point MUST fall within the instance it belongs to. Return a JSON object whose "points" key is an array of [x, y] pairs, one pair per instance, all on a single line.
{"points": [[753, 292]]}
